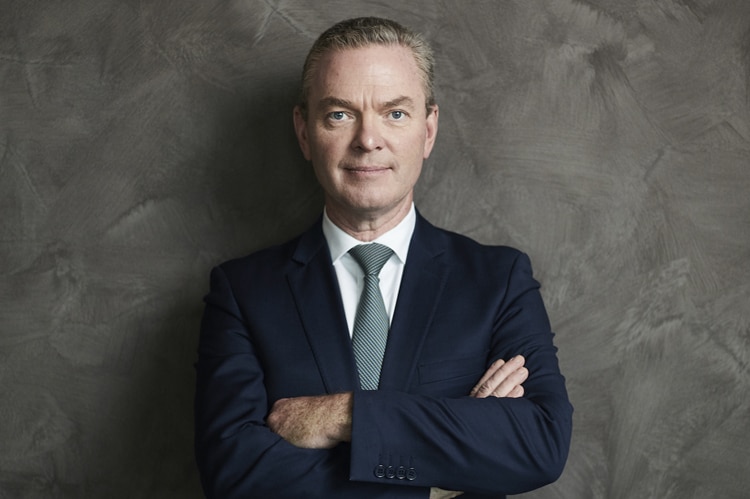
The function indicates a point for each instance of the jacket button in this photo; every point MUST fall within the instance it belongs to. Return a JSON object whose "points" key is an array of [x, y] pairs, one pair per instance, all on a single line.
{"points": [[380, 471], [401, 473], [390, 472], [411, 474]]}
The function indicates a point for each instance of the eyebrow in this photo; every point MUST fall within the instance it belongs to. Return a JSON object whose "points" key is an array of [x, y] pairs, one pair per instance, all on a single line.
{"points": [[399, 102], [327, 102], [335, 102]]}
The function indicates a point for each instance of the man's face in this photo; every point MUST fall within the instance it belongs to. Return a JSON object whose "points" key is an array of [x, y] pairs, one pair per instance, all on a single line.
{"points": [[367, 132]]}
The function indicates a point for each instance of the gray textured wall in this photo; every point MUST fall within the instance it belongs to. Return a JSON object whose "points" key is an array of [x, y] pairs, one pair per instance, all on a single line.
{"points": [[142, 142]]}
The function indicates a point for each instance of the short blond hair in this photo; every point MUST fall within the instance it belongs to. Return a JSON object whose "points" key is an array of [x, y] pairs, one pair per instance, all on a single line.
{"points": [[364, 31]]}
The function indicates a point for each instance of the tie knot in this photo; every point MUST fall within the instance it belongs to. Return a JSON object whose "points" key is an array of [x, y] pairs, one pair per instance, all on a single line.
{"points": [[371, 257]]}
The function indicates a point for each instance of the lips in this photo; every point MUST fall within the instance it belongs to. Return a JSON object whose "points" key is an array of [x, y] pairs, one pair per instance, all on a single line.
{"points": [[366, 168]]}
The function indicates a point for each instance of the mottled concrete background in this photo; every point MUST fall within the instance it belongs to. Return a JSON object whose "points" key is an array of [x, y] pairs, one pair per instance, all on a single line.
{"points": [[142, 142]]}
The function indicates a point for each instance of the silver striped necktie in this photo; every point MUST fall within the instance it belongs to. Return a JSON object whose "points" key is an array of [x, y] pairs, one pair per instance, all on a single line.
{"points": [[371, 323]]}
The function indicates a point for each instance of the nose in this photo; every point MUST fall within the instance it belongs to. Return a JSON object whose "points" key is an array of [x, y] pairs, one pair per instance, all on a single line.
{"points": [[368, 136]]}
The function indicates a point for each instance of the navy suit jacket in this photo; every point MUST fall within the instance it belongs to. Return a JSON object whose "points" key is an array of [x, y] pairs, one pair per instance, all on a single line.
{"points": [[274, 327]]}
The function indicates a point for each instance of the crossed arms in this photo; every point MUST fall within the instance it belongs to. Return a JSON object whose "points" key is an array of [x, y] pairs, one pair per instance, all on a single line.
{"points": [[322, 422]]}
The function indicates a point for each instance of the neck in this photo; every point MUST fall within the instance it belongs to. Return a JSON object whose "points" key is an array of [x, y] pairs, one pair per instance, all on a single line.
{"points": [[368, 227]]}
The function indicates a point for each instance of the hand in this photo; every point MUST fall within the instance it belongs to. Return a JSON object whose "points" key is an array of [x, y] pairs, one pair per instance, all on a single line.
{"points": [[436, 493], [320, 422], [502, 379]]}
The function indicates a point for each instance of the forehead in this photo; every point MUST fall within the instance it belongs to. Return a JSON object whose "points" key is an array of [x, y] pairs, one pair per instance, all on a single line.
{"points": [[375, 69]]}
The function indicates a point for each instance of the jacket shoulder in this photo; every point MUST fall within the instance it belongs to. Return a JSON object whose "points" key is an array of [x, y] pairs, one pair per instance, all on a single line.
{"points": [[466, 246]]}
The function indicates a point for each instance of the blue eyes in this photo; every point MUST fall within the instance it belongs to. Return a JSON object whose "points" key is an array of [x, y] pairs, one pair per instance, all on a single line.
{"points": [[341, 115]]}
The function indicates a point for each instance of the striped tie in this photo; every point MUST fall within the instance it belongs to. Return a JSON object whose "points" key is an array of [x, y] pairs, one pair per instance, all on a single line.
{"points": [[371, 322]]}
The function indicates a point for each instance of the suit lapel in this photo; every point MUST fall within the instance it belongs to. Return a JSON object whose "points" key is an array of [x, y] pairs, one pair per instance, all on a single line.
{"points": [[422, 284], [313, 283]]}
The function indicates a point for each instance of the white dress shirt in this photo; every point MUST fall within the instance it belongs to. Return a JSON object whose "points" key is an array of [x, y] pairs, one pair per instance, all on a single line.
{"points": [[350, 274]]}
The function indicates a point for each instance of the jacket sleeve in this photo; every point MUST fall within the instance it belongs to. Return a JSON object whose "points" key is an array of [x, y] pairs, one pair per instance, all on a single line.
{"points": [[237, 455], [490, 446]]}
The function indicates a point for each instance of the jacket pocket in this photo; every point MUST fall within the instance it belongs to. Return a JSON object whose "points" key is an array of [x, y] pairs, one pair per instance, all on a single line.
{"points": [[452, 370]]}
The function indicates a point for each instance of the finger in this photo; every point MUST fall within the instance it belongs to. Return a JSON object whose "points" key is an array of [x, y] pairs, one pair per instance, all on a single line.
{"points": [[510, 383], [516, 392], [493, 383], [491, 379], [487, 375]]}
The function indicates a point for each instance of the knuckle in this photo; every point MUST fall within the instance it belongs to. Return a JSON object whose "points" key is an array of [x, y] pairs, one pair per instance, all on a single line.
{"points": [[484, 389]]}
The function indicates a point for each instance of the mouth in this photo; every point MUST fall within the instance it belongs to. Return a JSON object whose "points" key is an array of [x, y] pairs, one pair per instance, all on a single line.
{"points": [[366, 169]]}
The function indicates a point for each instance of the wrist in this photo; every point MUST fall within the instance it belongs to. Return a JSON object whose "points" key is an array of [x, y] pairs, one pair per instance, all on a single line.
{"points": [[341, 420]]}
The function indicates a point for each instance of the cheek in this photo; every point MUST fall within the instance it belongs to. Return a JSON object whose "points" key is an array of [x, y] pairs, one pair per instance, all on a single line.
{"points": [[327, 146], [417, 150], [325, 159]]}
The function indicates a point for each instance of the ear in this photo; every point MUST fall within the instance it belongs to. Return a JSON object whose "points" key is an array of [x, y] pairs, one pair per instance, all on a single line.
{"points": [[300, 128], [432, 128]]}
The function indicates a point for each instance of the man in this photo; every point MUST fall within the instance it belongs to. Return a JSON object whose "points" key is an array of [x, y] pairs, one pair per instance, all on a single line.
{"points": [[321, 377]]}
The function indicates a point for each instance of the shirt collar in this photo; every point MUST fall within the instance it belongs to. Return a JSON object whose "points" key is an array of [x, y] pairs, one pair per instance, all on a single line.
{"points": [[398, 238]]}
